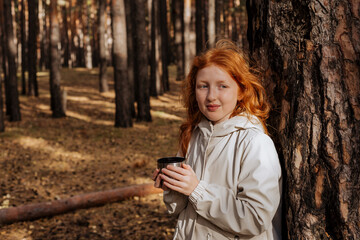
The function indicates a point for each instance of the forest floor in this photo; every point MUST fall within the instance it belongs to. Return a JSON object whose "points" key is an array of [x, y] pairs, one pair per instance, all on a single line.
{"points": [[45, 159]]}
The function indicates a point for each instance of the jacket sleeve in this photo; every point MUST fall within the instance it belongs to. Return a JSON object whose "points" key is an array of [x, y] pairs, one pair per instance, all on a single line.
{"points": [[175, 202], [250, 210]]}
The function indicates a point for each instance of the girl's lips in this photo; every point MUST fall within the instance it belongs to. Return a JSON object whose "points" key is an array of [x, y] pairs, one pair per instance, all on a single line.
{"points": [[212, 108]]}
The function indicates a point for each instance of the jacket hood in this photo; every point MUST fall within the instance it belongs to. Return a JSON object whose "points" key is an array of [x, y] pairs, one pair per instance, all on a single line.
{"points": [[233, 124]]}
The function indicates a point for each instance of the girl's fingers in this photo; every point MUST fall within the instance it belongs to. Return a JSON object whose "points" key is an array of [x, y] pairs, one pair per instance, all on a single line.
{"points": [[179, 170], [171, 180], [155, 174], [172, 174]]}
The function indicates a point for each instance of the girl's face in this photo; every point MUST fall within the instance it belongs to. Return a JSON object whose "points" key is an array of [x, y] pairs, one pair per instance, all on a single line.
{"points": [[216, 93]]}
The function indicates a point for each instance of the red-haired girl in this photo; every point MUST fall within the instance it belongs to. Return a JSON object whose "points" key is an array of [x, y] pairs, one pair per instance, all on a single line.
{"points": [[230, 186]]}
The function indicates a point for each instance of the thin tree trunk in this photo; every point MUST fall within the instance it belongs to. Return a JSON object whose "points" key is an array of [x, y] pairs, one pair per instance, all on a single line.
{"points": [[87, 34], [122, 91], [42, 34], [103, 84], [156, 87], [218, 19], [132, 53], [66, 39], [2, 115], [11, 91], [310, 54], [199, 25], [32, 47], [55, 88], [23, 47], [164, 35], [189, 36], [179, 38], [142, 75], [211, 24]]}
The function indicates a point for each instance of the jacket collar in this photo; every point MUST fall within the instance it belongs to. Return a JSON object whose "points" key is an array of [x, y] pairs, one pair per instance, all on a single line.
{"points": [[240, 122]]}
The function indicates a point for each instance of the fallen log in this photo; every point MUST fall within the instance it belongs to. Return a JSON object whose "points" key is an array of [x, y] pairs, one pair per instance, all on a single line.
{"points": [[46, 209]]}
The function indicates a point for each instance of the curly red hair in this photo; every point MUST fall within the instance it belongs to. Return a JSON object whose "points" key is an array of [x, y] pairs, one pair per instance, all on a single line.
{"points": [[230, 58]]}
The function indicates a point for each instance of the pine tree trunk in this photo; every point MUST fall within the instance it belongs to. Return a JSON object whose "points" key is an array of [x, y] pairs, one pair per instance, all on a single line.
{"points": [[123, 111], [156, 84], [103, 84], [179, 38], [23, 47], [11, 91], [164, 35], [132, 67], [32, 47], [2, 115], [142, 76], [310, 55], [55, 88], [199, 25], [211, 23]]}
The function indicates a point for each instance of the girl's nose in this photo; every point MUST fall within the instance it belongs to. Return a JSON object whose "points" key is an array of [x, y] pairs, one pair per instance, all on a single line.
{"points": [[211, 94]]}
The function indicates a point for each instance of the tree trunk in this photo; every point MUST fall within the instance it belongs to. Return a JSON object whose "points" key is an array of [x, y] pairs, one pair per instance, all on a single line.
{"points": [[66, 39], [189, 36], [156, 85], [42, 34], [199, 25], [211, 24], [142, 75], [218, 19], [164, 35], [179, 38], [87, 34], [32, 47], [55, 88], [11, 91], [122, 91], [310, 55], [132, 53], [23, 47], [103, 84], [2, 115]]}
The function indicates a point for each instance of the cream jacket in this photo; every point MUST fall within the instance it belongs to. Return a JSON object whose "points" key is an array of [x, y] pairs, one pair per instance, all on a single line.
{"points": [[240, 184]]}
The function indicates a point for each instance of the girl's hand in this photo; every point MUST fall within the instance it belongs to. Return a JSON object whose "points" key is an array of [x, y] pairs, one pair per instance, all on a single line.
{"points": [[157, 180], [181, 179]]}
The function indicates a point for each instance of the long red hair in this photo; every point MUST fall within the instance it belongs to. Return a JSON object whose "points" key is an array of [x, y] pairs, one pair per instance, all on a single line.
{"points": [[230, 58]]}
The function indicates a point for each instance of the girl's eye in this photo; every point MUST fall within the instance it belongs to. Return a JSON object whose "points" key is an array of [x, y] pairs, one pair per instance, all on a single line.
{"points": [[223, 86], [203, 86]]}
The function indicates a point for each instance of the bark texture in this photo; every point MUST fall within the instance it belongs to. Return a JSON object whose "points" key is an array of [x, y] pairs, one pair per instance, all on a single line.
{"points": [[55, 76], [32, 47], [142, 63], [122, 90], [103, 84], [11, 91], [309, 51]]}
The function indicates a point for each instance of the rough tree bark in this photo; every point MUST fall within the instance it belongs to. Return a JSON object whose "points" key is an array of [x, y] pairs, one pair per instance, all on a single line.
{"points": [[211, 24], [156, 84], [141, 75], [199, 25], [179, 38], [103, 84], [122, 91], [310, 54], [32, 47], [23, 47], [11, 91], [132, 67], [164, 35], [55, 88]]}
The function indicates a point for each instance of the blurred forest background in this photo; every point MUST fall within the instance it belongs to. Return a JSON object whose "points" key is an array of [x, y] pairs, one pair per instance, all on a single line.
{"points": [[90, 98]]}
